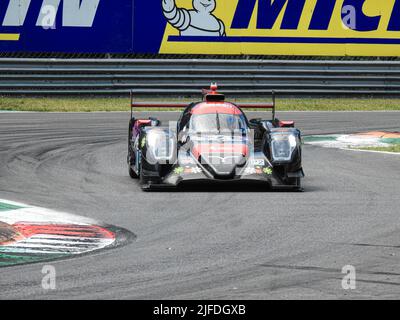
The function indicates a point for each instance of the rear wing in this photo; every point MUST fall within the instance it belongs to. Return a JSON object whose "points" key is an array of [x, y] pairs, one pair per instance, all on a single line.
{"points": [[208, 96]]}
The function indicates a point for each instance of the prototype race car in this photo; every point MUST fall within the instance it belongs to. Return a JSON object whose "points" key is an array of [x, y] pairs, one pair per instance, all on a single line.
{"points": [[213, 141]]}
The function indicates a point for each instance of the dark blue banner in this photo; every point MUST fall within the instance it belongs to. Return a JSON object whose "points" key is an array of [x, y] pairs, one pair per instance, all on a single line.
{"points": [[72, 26], [225, 27]]}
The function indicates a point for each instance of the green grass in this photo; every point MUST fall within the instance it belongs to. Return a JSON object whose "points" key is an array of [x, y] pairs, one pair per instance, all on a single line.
{"points": [[393, 148], [85, 104]]}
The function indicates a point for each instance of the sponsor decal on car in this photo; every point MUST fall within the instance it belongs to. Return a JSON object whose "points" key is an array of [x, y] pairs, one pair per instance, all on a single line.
{"points": [[192, 170], [258, 162], [267, 170], [250, 170], [179, 170], [143, 142]]}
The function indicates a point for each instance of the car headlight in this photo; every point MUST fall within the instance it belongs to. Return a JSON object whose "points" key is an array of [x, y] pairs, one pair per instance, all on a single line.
{"points": [[282, 146], [160, 145]]}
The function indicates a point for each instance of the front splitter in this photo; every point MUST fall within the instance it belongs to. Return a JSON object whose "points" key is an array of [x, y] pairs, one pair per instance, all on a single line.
{"points": [[177, 182]]}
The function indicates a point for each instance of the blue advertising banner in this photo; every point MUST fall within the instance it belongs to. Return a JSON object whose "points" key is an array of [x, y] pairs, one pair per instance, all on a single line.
{"points": [[149, 26], [226, 27], [72, 26]]}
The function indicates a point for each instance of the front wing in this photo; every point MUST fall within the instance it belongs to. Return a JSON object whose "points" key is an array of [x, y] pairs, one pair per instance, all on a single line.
{"points": [[181, 175]]}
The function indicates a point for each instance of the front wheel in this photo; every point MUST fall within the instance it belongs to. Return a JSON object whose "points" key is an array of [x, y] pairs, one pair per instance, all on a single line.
{"points": [[132, 173], [144, 181]]}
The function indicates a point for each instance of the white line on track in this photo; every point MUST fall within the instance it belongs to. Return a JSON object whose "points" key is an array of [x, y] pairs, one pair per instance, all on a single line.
{"points": [[372, 151]]}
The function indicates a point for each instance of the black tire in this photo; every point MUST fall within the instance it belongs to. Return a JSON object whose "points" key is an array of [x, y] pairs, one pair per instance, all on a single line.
{"points": [[132, 173], [143, 180]]}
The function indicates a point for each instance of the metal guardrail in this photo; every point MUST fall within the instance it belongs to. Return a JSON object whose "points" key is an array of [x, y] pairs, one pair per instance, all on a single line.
{"points": [[188, 76]]}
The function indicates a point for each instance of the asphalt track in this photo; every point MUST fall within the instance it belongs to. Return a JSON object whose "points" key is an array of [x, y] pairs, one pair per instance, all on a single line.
{"points": [[229, 243]]}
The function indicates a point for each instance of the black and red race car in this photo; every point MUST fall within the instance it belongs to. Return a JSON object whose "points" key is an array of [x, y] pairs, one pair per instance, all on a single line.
{"points": [[213, 141]]}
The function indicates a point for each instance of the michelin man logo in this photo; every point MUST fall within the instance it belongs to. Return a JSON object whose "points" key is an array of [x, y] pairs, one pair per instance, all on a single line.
{"points": [[196, 22]]}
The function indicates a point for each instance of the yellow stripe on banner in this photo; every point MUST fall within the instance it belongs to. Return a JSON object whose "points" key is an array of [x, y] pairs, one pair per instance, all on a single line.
{"points": [[364, 28], [9, 36]]}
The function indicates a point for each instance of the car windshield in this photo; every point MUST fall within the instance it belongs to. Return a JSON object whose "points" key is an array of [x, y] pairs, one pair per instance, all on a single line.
{"points": [[219, 122]]}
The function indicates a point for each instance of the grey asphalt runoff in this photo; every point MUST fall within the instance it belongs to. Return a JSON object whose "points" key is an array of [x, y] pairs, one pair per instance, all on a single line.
{"points": [[208, 244]]}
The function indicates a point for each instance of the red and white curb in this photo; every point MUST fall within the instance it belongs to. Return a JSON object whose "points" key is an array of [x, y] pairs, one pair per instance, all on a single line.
{"points": [[355, 142], [44, 234], [58, 239]]}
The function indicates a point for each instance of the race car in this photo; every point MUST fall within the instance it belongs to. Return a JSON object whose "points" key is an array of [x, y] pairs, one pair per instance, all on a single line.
{"points": [[214, 142]]}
